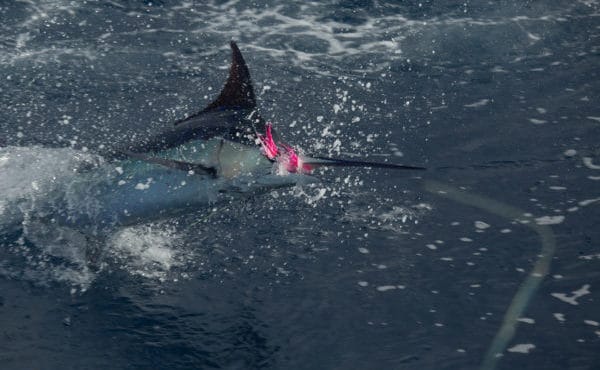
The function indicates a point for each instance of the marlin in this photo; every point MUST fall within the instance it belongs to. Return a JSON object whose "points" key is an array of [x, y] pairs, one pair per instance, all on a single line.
{"points": [[225, 149]]}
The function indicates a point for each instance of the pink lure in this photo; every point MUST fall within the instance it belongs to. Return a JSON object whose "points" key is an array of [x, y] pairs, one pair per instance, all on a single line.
{"points": [[269, 148], [290, 160]]}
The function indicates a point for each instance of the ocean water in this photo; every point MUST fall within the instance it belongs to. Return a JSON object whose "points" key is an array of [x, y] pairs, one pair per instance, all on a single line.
{"points": [[489, 259]]}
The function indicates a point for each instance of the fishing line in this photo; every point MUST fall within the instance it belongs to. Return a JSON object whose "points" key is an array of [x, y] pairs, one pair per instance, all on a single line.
{"points": [[528, 288]]}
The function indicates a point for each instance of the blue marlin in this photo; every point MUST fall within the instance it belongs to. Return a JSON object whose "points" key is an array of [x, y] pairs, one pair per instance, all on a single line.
{"points": [[222, 150]]}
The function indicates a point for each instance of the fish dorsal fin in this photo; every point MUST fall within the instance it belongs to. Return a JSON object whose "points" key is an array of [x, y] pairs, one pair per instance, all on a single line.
{"points": [[238, 91], [232, 115]]}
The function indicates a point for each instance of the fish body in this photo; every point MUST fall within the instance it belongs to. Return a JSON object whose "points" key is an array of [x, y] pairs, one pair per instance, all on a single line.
{"points": [[222, 151]]}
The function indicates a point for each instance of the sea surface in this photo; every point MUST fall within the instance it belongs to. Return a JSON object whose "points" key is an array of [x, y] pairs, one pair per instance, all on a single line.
{"points": [[489, 259]]}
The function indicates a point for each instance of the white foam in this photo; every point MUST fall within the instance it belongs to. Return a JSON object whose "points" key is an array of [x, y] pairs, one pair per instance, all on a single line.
{"points": [[549, 220], [385, 288], [576, 294], [319, 194], [481, 225], [590, 256], [522, 348], [557, 188], [382, 217], [43, 169], [40, 13], [479, 103], [587, 202], [587, 161], [146, 250], [526, 320], [146, 186], [537, 121]]}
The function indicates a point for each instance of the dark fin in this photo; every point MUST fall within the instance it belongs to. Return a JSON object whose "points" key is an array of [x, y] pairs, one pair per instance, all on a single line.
{"points": [[237, 93], [178, 165], [333, 162]]}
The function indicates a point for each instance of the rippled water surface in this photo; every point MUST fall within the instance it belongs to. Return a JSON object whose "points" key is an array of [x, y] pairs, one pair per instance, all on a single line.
{"points": [[489, 259]]}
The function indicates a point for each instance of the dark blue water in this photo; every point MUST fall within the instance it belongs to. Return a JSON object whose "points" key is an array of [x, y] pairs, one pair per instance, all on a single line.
{"points": [[490, 259]]}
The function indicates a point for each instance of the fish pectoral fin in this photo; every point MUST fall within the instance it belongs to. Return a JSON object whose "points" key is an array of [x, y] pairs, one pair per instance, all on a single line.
{"points": [[197, 168]]}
